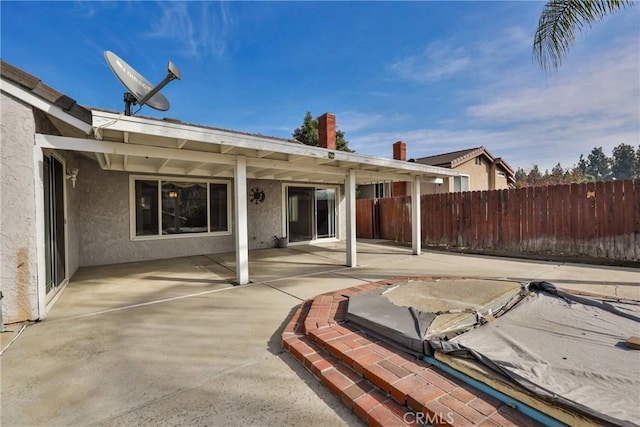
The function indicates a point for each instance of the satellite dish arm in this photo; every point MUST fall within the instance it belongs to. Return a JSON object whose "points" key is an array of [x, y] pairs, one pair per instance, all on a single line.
{"points": [[173, 73]]}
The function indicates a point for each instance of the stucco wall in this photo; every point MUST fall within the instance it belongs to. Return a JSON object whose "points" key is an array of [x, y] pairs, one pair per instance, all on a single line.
{"points": [[103, 199], [73, 212], [264, 220], [18, 272], [478, 174], [445, 187], [501, 182]]}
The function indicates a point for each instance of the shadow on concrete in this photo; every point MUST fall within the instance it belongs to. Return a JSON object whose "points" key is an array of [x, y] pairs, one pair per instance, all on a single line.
{"points": [[275, 347]]}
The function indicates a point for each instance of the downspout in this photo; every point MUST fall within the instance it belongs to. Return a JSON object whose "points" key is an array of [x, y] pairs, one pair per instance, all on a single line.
{"points": [[508, 400]]}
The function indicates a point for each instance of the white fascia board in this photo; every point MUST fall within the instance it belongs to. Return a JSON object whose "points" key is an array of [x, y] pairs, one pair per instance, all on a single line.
{"points": [[132, 124], [105, 147], [432, 181], [122, 123], [41, 104], [370, 176], [293, 166]]}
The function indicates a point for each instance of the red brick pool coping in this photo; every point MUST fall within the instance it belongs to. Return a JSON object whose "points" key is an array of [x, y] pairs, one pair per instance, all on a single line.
{"points": [[383, 385]]}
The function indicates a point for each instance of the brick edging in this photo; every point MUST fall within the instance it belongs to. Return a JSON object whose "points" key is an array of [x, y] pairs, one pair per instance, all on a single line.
{"points": [[383, 385]]}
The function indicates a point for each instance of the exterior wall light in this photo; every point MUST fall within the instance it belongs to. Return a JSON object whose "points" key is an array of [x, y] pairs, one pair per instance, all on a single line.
{"points": [[72, 174]]}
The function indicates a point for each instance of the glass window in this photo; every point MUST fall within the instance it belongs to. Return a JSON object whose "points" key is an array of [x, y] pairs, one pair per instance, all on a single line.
{"points": [[184, 207], [218, 207], [460, 183], [311, 213], [146, 194], [169, 207], [326, 213], [379, 190]]}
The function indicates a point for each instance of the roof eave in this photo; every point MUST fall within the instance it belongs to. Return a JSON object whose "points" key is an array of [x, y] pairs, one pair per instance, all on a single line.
{"points": [[154, 127]]}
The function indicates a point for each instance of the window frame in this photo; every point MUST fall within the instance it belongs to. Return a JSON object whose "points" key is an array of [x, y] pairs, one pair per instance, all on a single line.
{"points": [[159, 179], [285, 211], [459, 177]]}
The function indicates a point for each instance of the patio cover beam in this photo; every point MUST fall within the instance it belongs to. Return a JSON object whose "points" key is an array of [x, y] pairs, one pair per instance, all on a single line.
{"points": [[371, 176], [105, 147]]}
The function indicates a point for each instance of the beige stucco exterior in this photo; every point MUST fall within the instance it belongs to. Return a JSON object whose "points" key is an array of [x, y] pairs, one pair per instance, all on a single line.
{"points": [[18, 222], [482, 174]]}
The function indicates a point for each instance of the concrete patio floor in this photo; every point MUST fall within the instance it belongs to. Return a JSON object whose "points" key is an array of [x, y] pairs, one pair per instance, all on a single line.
{"points": [[173, 342]]}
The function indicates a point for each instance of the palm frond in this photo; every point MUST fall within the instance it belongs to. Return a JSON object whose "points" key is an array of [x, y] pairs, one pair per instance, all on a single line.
{"points": [[559, 21]]}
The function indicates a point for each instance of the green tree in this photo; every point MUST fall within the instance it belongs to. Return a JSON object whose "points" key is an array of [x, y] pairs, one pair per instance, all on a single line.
{"points": [[558, 24], [521, 178], [534, 177], [623, 162], [599, 165], [558, 175], [557, 170], [308, 134], [582, 165], [575, 175]]}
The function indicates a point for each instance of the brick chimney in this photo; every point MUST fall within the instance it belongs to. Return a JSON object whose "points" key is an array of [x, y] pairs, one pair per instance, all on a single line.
{"points": [[327, 131], [400, 153]]}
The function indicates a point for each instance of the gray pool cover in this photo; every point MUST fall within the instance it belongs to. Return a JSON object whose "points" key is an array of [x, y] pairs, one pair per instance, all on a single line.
{"points": [[568, 349]]}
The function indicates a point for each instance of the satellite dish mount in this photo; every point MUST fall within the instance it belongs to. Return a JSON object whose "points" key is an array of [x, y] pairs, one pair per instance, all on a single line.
{"points": [[139, 90]]}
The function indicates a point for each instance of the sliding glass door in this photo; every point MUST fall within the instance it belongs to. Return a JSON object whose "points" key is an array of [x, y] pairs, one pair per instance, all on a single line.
{"points": [[311, 213], [54, 222], [325, 213], [300, 213]]}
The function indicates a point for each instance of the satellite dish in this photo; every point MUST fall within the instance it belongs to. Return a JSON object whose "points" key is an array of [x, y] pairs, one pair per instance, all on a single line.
{"points": [[139, 89]]}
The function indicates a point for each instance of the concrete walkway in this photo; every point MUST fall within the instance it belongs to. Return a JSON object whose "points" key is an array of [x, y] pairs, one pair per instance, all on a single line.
{"points": [[172, 342]]}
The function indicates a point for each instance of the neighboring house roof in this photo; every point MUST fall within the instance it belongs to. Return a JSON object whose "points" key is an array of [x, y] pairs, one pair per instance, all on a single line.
{"points": [[455, 158]]}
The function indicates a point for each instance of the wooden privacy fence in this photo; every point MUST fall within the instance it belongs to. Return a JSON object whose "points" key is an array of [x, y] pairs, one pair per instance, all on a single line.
{"points": [[596, 219]]}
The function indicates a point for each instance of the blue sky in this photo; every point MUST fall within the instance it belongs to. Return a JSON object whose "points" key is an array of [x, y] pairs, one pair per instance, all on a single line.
{"points": [[441, 76]]}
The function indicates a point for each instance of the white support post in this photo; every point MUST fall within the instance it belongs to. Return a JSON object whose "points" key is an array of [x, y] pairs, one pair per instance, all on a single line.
{"points": [[242, 235], [350, 194], [38, 173], [416, 236]]}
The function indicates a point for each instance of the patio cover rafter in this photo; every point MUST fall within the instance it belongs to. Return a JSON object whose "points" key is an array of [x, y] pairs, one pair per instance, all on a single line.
{"points": [[262, 152]]}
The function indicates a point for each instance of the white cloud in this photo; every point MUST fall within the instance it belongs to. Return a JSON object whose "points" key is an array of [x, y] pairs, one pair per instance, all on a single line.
{"points": [[424, 142], [353, 121], [605, 86], [444, 59], [439, 60], [201, 28], [520, 114], [520, 146]]}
